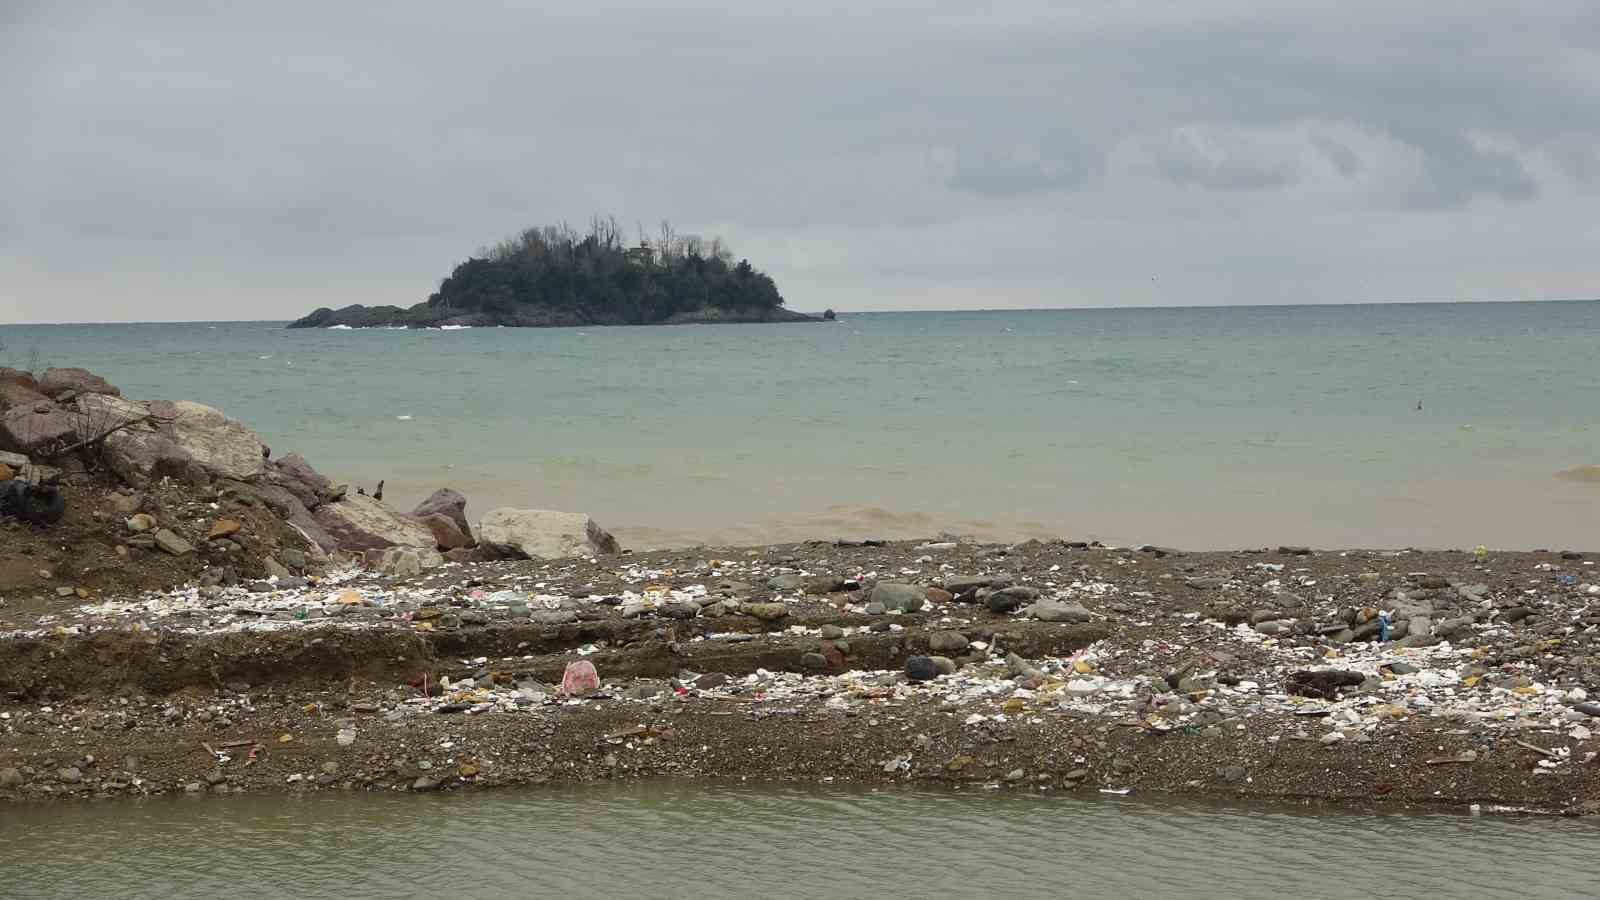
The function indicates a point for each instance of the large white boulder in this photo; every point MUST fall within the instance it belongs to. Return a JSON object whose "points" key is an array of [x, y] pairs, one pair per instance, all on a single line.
{"points": [[542, 534], [176, 438], [222, 446]]}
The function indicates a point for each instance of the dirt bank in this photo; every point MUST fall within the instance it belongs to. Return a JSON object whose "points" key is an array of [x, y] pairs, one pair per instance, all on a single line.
{"points": [[1370, 678]]}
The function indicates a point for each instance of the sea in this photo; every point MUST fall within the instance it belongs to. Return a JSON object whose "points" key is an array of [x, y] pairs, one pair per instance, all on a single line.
{"points": [[1365, 426]]}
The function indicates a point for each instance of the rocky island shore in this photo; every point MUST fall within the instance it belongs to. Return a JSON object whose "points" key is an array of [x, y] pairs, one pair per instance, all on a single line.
{"points": [[555, 277], [207, 619]]}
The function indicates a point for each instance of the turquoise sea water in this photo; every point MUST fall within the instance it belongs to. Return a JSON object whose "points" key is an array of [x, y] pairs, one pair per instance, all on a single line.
{"points": [[1216, 427]]}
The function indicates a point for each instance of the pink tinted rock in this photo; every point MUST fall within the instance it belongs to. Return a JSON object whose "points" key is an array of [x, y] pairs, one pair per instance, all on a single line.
{"points": [[445, 532], [56, 382], [447, 503], [580, 679]]}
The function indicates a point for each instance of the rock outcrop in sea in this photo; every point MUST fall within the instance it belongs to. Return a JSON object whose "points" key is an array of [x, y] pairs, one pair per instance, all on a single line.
{"points": [[553, 277]]}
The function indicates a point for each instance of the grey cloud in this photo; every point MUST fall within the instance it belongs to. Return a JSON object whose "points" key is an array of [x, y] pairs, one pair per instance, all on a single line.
{"points": [[323, 154]]}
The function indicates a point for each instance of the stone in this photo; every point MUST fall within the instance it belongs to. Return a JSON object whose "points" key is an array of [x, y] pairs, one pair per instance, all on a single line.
{"points": [[15, 394], [823, 584], [834, 653], [832, 632], [294, 559], [814, 662], [169, 542], [69, 775], [710, 680], [37, 429], [56, 382], [294, 474], [10, 778], [939, 595], [679, 609], [425, 783], [1002, 602], [1056, 611], [276, 569], [1452, 626], [406, 562], [895, 595], [188, 440], [789, 582], [944, 664], [967, 584], [1233, 774], [359, 523], [766, 612], [222, 446], [543, 534], [947, 641], [449, 504], [140, 522], [222, 528], [921, 668], [1272, 627], [194, 787], [446, 534], [580, 679], [875, 609]]}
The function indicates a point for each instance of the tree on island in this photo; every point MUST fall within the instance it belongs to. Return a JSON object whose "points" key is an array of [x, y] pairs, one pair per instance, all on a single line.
{"points": [[555, 276], [596, 274]]}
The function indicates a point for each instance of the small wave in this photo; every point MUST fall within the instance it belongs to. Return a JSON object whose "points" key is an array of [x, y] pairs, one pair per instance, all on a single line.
{"points": [[454, 327], [340, 328], [268, 356], [403, 418]]}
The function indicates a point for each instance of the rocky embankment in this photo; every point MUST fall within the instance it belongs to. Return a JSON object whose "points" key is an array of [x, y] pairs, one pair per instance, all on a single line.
{"points": [[101, 495]]}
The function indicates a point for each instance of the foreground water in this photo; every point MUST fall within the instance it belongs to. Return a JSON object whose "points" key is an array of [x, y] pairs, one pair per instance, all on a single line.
{"points": [[712, 842], [1197, 427]]}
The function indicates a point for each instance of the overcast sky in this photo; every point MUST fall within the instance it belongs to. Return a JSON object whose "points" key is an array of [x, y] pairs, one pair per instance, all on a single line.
{"points": [[172, 160]]}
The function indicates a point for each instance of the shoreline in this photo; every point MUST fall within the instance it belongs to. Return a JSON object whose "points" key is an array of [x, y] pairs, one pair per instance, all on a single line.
{"points": [[1162, 685]]}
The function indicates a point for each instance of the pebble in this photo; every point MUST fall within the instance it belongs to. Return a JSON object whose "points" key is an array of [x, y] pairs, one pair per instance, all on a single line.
{"points": [[1055, 611], [766, 612], [947, 641], [921, 668], [899, 596]]}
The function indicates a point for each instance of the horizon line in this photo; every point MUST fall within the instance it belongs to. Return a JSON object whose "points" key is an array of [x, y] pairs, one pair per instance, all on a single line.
{"points": [[992, 309]]}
